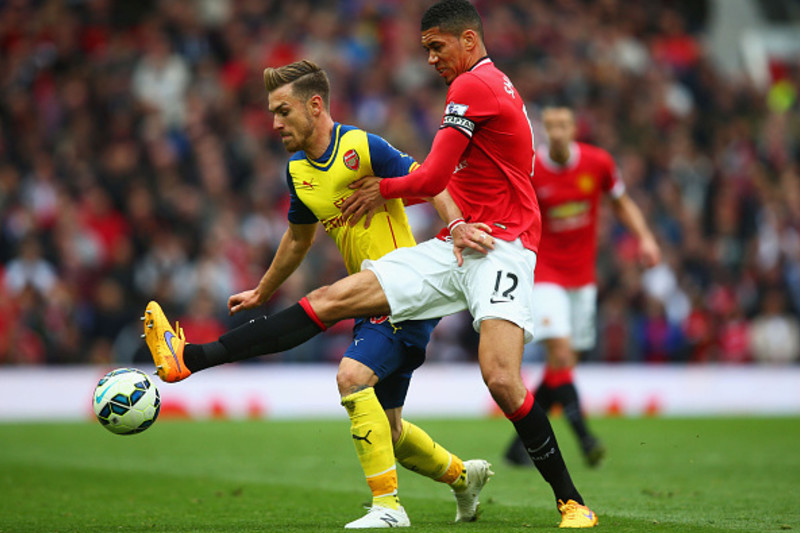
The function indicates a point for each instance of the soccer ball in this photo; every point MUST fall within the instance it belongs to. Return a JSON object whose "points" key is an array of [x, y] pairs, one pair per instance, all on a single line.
{"points": [[125, 401]]}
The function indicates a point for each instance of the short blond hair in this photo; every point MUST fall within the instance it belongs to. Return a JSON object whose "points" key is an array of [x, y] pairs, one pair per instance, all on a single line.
{"points": [[307, 78]]}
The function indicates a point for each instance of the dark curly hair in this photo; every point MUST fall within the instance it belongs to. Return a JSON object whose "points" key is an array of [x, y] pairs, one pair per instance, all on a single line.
{"points": [[453, 17]]}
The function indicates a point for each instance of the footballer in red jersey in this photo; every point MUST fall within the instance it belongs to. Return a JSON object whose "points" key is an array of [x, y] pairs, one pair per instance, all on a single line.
{"points": [[491, 180], [482, 156], [569, 196], [570, 179]]}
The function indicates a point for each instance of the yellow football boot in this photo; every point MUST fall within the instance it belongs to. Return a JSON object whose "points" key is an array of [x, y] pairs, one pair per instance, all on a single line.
{"points": [[575, 515], [165, 345]]}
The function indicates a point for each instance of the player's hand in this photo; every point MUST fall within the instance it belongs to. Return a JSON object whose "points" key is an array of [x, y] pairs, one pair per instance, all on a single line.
{"points": [[244, 300], [476, 236], [364, 201], [649, 252]]}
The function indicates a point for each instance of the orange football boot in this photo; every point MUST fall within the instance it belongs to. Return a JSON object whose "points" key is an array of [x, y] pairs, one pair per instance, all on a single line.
{"points": [[575, 515], [165, 345]]}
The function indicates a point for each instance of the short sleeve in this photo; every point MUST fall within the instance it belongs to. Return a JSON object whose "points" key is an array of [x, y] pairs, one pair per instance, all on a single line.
{"points": [[612, 182], [388, 161], [299, 213], [470, 103]]}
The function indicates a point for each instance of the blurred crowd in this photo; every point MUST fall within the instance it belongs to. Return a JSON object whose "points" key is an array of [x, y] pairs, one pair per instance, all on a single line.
{"points": [[138, 162]]}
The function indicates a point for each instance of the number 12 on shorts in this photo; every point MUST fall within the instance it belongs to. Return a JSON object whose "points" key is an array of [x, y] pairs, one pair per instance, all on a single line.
{"points": [[504, 285]]}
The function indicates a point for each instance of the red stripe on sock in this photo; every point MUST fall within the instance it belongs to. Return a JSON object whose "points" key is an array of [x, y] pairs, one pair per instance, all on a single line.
{"points": [[520, 413], [306, 305], [555, 377]]}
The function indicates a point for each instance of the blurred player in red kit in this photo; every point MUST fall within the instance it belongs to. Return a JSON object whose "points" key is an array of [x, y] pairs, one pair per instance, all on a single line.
{"points": [[570, 178]]}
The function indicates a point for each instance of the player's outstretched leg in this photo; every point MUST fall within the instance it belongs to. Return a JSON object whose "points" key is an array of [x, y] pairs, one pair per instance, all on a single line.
{"points": [[166, 346], [416, 451], [176, 359]]}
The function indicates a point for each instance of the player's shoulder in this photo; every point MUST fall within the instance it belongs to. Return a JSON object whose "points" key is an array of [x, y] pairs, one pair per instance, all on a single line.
{"points": [[476, 81], [352, 137], [347, 128], [295, 167], [598, 161], [592, 153], [595, 156]]}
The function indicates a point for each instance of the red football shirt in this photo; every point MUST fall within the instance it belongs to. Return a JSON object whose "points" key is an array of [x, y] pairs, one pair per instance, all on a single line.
{"points": [[491, 182], [569, 197]]}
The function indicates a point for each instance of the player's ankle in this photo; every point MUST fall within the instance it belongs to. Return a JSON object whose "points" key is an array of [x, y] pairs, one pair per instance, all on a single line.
{"points": [[391, 501]]}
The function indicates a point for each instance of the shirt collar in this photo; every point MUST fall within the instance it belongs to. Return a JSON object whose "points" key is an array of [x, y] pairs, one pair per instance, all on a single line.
{"points": [[485, 60], [572, 160]]}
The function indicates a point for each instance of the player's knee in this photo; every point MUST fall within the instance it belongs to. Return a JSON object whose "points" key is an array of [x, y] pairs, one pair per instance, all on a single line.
{"points": [[504, 387], [352, 378], [561, 359], [497, 382], [347, 382], [330, 303], [318, 298], [560, 355]]}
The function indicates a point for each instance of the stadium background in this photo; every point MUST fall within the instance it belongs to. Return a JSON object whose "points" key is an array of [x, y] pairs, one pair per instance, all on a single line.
{"points": [[137, 162]]}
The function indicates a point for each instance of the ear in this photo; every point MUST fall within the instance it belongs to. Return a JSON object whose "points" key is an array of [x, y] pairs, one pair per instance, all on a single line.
{"points": [[315, 105], [469, 39]]}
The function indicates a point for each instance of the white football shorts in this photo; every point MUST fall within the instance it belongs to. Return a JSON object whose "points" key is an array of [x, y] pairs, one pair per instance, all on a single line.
{"points": [[560, 312], [425, 281]]}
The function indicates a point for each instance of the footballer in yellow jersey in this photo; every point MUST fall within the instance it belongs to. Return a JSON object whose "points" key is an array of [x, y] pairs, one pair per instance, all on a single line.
{"points": [[319, 186]]}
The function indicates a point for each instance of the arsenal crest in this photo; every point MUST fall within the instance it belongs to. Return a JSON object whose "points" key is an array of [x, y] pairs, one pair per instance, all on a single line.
{"points": [[351, 160]]}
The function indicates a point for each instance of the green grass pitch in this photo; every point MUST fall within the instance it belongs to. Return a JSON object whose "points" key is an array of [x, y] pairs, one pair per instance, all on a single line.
{"points": [[662, 474]]}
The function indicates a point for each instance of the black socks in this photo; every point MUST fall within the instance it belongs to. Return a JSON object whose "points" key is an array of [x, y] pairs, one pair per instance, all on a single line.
{"points": [[567, 396], [263, 335], [540, 442]]}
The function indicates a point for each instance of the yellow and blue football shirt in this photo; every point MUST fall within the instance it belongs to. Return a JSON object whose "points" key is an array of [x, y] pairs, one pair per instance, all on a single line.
{"points": [[318, 188]]}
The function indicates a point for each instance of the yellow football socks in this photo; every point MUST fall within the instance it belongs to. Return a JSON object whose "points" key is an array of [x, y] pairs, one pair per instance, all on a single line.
{"points": [[372, 438], [416, 451]]}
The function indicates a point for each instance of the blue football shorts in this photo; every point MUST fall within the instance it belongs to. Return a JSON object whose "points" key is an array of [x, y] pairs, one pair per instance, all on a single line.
{"points": [[392, 351]]}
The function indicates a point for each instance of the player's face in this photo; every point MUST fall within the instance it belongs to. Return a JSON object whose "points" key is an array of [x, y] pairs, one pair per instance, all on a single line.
{"points": [[291, 118], [559, 124], [446, 53]]}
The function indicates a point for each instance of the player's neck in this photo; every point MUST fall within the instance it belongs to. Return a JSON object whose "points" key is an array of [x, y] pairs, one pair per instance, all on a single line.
{"points": [[320, 139], [559, 155], [475, 56]]}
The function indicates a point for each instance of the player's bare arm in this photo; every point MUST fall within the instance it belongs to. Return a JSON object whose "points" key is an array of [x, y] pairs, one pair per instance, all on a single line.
{"points": [[631, 216], [294, 246]]}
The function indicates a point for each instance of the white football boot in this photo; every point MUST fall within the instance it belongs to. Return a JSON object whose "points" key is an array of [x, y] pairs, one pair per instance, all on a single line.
{"points": [[478, 474], [381, 517]]}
